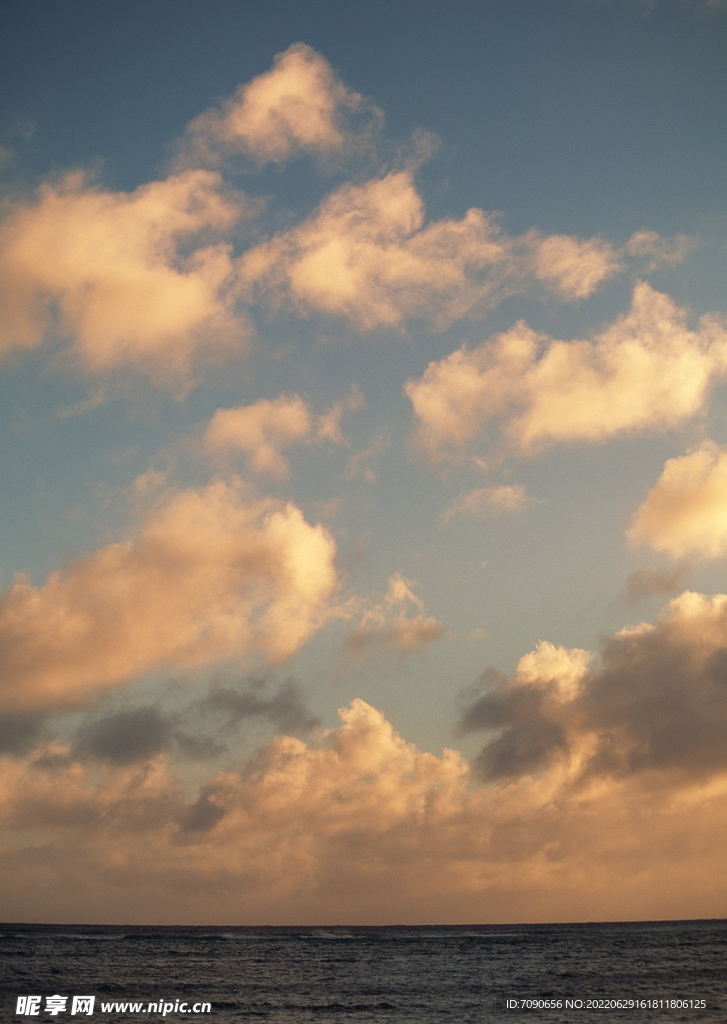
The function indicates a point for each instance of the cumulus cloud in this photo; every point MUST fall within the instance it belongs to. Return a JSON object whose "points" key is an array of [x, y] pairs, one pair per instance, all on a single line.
{"points": [[390, 623], [367, 255], [263, 429], [655, 706], [477, 502], [686, 510], [299, 106], [131, 278], [212, 575], [359, 826], [646, 371]]}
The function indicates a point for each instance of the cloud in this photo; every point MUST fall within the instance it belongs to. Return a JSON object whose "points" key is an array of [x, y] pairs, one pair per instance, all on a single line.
{"points": [[328, 423], [263, 429], [654, 708], [389, 623], [663, 251], [358, 827], [649, 582], [477, 502], [127, 278], [197, 732], [367, 255], [212, 575], [573, 267], [686, 510], [299, 106], [19, 732], [126, 736], [645, 371], [284, 708]]}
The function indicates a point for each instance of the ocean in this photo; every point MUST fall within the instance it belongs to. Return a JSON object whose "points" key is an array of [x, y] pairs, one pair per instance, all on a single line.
{"points": [[651, 971]]}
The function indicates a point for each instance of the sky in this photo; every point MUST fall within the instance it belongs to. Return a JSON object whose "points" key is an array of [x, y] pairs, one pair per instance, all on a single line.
{"points": [[364, 518]]}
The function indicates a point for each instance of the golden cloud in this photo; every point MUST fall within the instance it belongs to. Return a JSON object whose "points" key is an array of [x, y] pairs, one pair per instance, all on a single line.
{"points": [[362, 827], [389, 623], [127, 277], [211, 576], [299, 106], [480, 500], [686, 510], [646, 371], [262, 430], [573, 267], [367, 255]]}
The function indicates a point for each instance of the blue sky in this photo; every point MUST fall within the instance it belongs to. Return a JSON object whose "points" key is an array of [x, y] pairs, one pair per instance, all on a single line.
{"points": [[368, 355]]}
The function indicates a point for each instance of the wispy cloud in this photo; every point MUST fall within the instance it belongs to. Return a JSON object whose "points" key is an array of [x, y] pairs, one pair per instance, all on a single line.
{"points": [[481, 500], [390, 624]]}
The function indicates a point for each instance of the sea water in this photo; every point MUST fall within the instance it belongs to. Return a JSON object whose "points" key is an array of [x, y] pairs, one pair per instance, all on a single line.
{"points": [[657, 971]]}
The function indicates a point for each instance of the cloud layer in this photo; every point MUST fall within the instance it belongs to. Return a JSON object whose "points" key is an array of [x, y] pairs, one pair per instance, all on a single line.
{"points": [[362, 827]]}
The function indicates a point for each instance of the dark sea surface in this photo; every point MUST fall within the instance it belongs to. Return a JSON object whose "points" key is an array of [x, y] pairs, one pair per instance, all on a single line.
{"points": [[658, 971]]}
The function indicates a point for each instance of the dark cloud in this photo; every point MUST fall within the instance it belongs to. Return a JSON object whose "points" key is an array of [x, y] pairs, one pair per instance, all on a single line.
{"points": [[284, 709], [202, 816], [657, 703], [196, 731], [527, 739], [655, 582], [126, 737], [19, 732]]}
